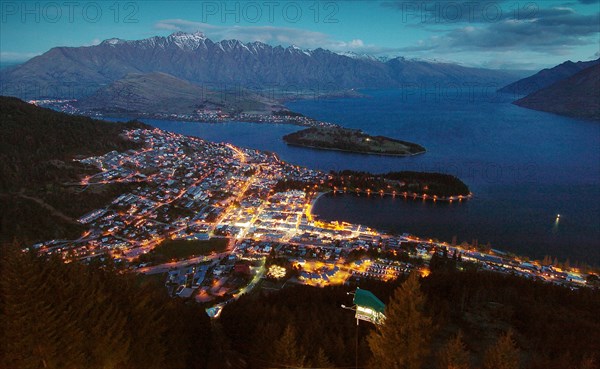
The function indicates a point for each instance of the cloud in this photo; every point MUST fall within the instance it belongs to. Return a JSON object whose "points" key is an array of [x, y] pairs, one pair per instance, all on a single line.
{"points": [[552, 34], [266, 34], [357, 43], [94, 42], [552, 31], [271, 35], [548, 34], [429, 12]]}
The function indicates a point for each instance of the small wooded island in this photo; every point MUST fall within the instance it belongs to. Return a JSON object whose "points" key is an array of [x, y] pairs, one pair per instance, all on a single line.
{"points": [[351, 140], [437, 186], [422, 185]]}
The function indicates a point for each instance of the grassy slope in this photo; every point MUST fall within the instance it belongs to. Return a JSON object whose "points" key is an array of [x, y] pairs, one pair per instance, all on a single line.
{"points": [[177, 249], [154, 93]]}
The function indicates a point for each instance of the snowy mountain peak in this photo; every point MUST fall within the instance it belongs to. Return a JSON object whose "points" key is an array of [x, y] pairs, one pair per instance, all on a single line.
{"points": [[295, 49], [363, 56], [184, 35], [187, 41]]}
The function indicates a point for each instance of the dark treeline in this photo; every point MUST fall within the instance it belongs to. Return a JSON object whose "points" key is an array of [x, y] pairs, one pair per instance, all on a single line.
{"points": [[552, 327], [555, 327], [412, 182], [311, 322], [406, 181], [290, 184], [56, 315], [36, 151]]}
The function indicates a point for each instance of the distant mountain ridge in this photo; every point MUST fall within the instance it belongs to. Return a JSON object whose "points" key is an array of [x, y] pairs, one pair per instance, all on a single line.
{"points": [[577, 96], [74, 72], [547, 77]]}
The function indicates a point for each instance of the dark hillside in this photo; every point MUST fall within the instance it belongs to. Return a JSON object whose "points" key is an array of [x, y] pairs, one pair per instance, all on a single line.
{"points": [[577, 96], [36, 150]]}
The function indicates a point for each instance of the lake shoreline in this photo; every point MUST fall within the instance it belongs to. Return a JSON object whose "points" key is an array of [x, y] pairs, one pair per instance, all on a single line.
{"points": [[517, 179], [355, 152], [406, 195]]}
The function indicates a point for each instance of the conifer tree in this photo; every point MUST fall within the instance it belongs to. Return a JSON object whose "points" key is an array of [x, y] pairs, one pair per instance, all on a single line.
{"points": [[321, 360], [146, 322], [402, 340], [56, 315], [589, 362], [547, 260], [504, 354], [28, 336], [286, 351], [454, 354]]}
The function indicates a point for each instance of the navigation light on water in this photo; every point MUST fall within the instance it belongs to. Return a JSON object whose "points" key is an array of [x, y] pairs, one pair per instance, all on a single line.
{"points": [[555, 226]]}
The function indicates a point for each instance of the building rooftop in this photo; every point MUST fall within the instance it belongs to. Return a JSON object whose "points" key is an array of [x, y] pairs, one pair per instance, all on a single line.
{"points": [[368, 299]]}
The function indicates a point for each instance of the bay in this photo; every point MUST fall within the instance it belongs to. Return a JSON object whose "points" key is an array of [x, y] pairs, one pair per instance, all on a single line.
{"points": [[523, 166]]}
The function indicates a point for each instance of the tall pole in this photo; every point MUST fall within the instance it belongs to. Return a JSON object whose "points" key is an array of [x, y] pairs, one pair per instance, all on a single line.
{"points": [[356, 352]]}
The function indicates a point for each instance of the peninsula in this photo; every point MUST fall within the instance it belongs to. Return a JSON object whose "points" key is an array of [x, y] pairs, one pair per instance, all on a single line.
{"points": [[351, 140]]}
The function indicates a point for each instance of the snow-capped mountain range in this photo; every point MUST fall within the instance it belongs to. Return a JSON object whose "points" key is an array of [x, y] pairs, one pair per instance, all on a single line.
{"points": [[71, 72]]}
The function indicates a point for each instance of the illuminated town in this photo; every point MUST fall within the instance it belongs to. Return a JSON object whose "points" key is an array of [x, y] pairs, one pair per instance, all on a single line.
{"points": [[200, 115], [185, 188]]}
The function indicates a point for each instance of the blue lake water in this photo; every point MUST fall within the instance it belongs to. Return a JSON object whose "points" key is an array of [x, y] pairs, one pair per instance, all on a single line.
{"points": [[524, 167]]}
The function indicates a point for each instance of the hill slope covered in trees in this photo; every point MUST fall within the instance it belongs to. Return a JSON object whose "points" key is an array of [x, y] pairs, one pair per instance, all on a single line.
{"points": [[37, 147], [56, 315], [552, 327]]}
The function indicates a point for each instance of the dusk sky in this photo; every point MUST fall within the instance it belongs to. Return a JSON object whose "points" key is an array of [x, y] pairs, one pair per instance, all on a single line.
{"points": [[493, 34]]}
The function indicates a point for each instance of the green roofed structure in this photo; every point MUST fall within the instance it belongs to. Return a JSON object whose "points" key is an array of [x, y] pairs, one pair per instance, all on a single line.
{"points": [[368, 307]]}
